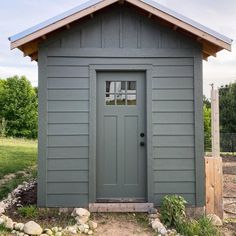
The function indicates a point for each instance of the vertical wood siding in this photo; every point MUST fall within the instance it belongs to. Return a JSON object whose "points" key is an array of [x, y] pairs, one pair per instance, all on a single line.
{"points": [[66, 170]]}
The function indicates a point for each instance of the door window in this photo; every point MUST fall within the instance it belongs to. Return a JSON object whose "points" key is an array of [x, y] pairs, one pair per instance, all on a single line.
{"points": [[120, 93]]}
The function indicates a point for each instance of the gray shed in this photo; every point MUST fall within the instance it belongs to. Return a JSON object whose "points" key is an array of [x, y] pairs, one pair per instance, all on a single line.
{"points": [[120, 103]]}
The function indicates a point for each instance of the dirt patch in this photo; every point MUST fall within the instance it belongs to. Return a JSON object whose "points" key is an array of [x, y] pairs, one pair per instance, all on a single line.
{"points": [[229, 188], [122, 224]]}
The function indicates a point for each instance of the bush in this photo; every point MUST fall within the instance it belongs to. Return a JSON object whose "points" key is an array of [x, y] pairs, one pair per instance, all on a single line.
{"points": [[28, 211], [172, 210], [201, 227], [173, 214]]}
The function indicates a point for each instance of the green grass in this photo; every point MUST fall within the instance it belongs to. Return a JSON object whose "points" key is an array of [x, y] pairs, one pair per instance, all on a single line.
{"points": [[16, 155], [4, 231]]}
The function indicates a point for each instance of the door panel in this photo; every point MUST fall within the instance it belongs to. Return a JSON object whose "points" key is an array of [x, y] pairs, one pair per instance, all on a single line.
{"points": [[121, 160]]}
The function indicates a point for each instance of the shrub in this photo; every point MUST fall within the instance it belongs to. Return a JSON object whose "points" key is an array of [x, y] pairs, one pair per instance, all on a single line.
{"points": [[173, 214], [172, 210], [28, 211], [201, 227]]}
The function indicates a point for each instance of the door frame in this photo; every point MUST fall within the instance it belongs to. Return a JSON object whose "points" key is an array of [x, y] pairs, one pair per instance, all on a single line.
{"points": [[93, 69]]}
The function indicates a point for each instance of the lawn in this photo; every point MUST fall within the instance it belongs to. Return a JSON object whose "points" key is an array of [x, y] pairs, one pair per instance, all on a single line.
{"points": [[16, 155]]}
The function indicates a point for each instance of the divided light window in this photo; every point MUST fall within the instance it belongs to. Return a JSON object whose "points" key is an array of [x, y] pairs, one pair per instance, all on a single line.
{"points": [[121, 93]]}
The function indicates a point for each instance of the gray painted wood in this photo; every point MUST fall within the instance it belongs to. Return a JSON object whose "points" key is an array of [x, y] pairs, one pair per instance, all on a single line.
{"points": [[119, 39], [121, 162]]}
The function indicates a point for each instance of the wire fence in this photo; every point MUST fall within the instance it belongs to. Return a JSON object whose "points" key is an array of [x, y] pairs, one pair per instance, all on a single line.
{"points": [[228, 142]]}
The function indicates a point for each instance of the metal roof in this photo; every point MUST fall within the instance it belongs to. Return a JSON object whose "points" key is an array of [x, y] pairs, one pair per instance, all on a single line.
{"points": [[90, 3]]}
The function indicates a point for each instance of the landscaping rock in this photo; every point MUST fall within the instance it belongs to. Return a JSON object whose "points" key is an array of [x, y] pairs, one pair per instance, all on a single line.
{"points": [[43, 234], [2, 220], [152, 210], [153, 216], [81, 228], [20, 234], [32, 228], [92, 225], [159, 227], [55, 229], [2, 207], [81, 220], [63, 210], [72, 229], [48, 232], [215, 219], [58, 234], [9, 223], [19, 226], [90, 232], [81, 212]]}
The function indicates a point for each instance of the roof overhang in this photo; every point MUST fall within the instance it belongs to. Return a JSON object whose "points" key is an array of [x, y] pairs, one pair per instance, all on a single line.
{"points": [[28, 40]]}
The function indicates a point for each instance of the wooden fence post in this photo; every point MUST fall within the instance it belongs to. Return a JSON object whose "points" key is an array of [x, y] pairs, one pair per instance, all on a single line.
{"points": [[213, 164]]}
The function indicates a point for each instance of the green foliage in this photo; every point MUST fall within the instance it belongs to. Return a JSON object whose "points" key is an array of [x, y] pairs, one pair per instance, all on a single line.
{"points": [[200, 227], [4, 231], [227, 102], [173, 214], [172, 210], [28, 212], [207, 127], [18, 106], [206, 102]]}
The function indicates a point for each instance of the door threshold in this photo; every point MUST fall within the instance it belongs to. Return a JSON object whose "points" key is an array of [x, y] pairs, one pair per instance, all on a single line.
{"points": [[120, 207]]}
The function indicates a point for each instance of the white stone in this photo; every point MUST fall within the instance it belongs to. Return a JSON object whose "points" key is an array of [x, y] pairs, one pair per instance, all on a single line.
{"points": [[19, 226], [80, 212], [59, 228], [2, 221], [9, 223], [72, 229], [48, 232], [159, 227], [92, 225], [86, 231], [58, 234], [81, 228], [90, 232], [2, 207], [32, 228], [81, 220], [55, 229], [43, 234], [63, 210], [215, 219], [86, 226]]}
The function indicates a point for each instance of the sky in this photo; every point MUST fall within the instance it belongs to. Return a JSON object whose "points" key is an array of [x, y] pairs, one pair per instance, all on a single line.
{"points": [[16, 16]]}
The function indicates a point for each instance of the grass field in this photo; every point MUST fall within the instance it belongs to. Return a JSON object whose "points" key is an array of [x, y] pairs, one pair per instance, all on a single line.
{"points": [[16, 155]]}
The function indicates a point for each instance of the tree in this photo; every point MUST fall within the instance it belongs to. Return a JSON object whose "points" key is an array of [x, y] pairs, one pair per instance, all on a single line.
{"points": [[19, 107], [227, 104], [206, 102]]}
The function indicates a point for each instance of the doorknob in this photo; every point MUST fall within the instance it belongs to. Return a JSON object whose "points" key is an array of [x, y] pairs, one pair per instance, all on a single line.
{"points": [[142, 135], [142, 144]]}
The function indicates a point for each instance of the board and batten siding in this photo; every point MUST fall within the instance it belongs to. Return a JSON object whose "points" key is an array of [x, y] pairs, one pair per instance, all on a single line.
{"points": [[122, 37]]}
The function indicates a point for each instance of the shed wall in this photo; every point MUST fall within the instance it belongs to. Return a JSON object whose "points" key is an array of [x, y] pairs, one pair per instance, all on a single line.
{"points": [[117, 36]]}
